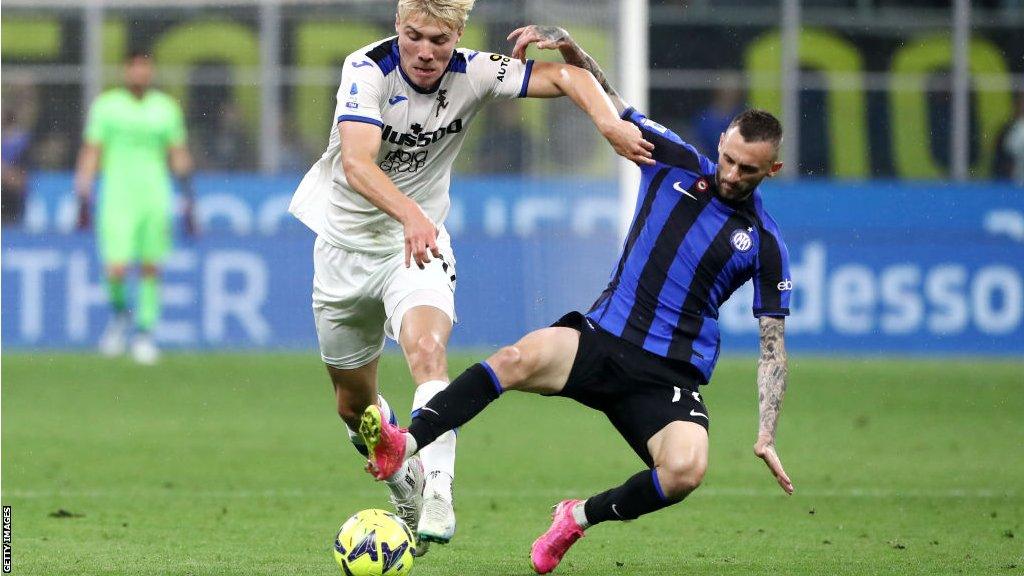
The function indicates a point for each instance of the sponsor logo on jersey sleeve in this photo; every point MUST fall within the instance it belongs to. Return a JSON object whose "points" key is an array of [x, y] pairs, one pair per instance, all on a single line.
{"points": [[503, 66]]}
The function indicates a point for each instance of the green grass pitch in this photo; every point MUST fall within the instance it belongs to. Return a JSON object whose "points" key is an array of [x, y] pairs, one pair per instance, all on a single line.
{"points": [[237, 464]]}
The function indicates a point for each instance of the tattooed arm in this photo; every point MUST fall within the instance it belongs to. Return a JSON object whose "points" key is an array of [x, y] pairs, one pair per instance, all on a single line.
{"points": [[771, 386], [551, 37]]}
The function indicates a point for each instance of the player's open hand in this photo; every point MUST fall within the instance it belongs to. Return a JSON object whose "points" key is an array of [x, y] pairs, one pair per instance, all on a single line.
{"points": [[545, 37], [765, 450], [628, 142], [420, 238]]}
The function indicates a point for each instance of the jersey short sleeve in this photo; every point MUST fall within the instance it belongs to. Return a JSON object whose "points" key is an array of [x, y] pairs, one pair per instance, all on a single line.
{"points": [[96, 124], [669, 148], [176, 133], [498, 76], [773, 285], [359, 93]]}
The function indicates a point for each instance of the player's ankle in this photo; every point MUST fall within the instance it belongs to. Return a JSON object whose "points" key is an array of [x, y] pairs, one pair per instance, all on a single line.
{"points": [[410, 446], [579, 514]]}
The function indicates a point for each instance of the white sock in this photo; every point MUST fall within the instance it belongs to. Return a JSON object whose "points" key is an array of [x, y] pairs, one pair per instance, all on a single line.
{"points": [[439, 456], [410, 446], [398, 484], [579, 515]]}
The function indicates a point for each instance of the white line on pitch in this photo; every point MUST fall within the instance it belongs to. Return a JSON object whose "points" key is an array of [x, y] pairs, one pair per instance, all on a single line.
{"points": [[715, 492]]}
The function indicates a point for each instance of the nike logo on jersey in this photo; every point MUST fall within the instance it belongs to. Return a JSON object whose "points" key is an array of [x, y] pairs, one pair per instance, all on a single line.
{"points": [[435, 411], [679, 188], [396, 99], [471, 56], [695, 413], [616, 511]]}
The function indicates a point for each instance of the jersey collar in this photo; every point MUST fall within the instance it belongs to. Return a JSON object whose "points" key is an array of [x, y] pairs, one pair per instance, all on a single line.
{"points": [[398, 58]]}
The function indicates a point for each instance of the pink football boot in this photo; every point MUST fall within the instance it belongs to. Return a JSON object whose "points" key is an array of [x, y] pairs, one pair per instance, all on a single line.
{"points": [[547, 551], [384, 441]]}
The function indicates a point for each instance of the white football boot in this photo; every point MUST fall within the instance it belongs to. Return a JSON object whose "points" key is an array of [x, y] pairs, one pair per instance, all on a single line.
{"points": [[437, 522], [144, 350], [115, 336]]}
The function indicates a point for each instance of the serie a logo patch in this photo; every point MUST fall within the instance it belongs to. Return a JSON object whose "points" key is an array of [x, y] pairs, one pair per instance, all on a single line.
{"points": [[741, 240]]}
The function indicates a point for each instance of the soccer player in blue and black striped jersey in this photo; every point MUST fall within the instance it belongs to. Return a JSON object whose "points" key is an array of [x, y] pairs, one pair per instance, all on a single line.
{"points": [[639, 355]]}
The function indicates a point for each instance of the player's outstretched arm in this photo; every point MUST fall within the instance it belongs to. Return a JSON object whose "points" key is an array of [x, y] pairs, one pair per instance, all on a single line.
{"points": [[772, 368], [549, 80], [360, 143], [553, 37]]}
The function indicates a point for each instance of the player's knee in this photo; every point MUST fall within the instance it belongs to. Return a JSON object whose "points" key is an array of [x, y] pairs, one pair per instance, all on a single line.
{"points": [[117, 271], [427, 353], [679, 477], [512, 366]]}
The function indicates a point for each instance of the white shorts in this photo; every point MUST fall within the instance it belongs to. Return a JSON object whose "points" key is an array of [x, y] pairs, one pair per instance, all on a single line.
{"points": [[359, 298]]}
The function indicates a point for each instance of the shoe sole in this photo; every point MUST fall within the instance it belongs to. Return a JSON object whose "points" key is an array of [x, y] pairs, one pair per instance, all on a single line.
{"points": [[370, 429], [434, 538]]}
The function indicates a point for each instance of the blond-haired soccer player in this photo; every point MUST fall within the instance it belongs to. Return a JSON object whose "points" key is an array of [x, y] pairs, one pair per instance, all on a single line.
{"points": [[378, 198]]}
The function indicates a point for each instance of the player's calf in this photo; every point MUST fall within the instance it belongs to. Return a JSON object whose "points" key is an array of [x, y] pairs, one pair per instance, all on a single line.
{"points": [[463, 399]]}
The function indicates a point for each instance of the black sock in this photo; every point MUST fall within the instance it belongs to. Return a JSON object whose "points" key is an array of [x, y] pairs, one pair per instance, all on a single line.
{"points": [[457, 404], [640, 495]]}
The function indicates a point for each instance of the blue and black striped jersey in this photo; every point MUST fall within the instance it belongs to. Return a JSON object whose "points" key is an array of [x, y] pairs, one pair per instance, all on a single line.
{"points": [[688, 249]]}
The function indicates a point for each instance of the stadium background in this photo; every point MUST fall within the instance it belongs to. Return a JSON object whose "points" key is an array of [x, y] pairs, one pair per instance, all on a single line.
{"points": [[905, 230], [890, 256]]}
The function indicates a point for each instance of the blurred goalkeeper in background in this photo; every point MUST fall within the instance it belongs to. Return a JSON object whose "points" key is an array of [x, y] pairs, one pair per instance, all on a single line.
{"points": [[131, 135]]}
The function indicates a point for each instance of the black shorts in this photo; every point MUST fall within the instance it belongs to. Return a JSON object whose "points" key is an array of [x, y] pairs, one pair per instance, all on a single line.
{"points": [[639, 391]]}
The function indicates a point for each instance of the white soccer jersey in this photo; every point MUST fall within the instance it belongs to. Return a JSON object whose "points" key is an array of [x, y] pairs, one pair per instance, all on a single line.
{"points": [[423, 131]]}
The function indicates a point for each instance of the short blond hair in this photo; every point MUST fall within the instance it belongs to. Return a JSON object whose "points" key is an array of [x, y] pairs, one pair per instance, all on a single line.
{"points": [[452, 13]]}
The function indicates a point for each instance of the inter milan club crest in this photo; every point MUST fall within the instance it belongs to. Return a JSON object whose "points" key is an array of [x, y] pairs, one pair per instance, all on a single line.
{"points": [[741, 240]]}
